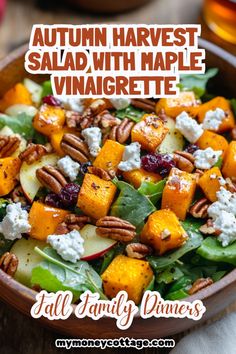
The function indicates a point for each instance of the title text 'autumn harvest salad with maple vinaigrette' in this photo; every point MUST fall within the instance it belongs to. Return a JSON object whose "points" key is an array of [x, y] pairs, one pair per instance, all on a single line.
{"points": [[118, 194]]}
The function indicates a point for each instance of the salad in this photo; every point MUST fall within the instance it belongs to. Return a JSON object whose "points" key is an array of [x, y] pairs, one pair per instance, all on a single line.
{"points": [[109, 195]]}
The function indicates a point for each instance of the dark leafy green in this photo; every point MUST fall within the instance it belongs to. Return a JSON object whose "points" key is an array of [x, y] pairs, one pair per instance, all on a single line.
{"points": [[177, 295], [22, 124], [211, 249], [5, 245], [130, 112], [182, 283], [169, 275], [197, 82], [219, 163], [152, 190], [131, 205], [47, 88], [108, 257], [233, 105], [193, 242], [55, 274]]}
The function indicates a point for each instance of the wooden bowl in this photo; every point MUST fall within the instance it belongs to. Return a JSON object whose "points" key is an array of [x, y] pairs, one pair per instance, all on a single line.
{"points": [[215, 297]]}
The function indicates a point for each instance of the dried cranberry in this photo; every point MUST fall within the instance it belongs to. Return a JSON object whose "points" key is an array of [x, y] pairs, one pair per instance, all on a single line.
{"points": [[53, 200], [51, 100], [191, 148], [160, 163], [69, 195], [84, 167]]}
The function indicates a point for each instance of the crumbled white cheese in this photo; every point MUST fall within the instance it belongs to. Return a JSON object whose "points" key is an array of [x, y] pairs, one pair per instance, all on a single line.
{"points": [[221, 180], [223, 214], [205, 159], [213, 119], [73, 104], [188, 127], [120, 103], [93, 137], [68, 167], [131, 158], [15, 222], [68, 246]]}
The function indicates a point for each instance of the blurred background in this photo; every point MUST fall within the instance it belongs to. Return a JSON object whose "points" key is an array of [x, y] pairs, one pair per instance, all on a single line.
{"points": [[18, 16]]}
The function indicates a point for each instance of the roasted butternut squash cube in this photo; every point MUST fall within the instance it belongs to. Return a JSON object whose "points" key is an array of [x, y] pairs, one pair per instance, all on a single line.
{"points": [[16, 95], [95, 196], [163, 231], [136, 177], [49, 119], [149, 132], [9, 169], [129, 274], [213, 140], [229, 164], [218, 102], [56, 138], [178, 192], [173, 106], [210, 183], [44, 220], [110, 156]]}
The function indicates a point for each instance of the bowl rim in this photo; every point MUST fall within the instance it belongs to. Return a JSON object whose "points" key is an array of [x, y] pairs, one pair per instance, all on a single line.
{"points": [[25, 292]]}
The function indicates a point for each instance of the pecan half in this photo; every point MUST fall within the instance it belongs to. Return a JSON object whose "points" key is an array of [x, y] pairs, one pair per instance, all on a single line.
{"points": [[146, 104], [72, 222], [199, 208], [100, 172], [184, 161], [121, 132], [73, 119], [75, 147], [106, 120], [137, 250], [115, 228], [17, 196], [208, 229], [96, 107], [51, 178], [9, 263], [230, 185], [8, 145], [33, 153], [200, 284]]}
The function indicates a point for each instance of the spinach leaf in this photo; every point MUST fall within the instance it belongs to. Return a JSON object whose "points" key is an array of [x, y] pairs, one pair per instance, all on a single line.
{"points": [[5, 245], [169, 275], [151, 284], [110, 255], [152, 190], [47, 88], [131, 205], [21, 124], [218, 275], [193, 242], [177, 295], [182, 283], [55, 274], [211, 249], [130, 112], [197, 82], [219, 162]]}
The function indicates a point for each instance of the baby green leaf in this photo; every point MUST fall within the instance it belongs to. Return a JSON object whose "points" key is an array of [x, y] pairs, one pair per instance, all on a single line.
{"points": [[211, 249], [197, 82], [130, 112], [131, 205], [152, 191]]}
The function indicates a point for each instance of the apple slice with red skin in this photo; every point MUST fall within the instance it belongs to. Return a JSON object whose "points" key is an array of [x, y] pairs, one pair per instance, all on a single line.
{"points": [[94, 246], [29, 182]]}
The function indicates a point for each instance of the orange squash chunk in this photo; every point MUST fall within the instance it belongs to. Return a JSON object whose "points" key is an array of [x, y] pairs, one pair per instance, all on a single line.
{"points": [[9, 169], [149, 132], [163, 231], [109, 156], [44, 220], [173, 106], [49, 119], [129, 274], [178, 192], [213, 140], [210, 183], [136, 177], [229, 164], [218, 102], [16, 95], [95, 196]]}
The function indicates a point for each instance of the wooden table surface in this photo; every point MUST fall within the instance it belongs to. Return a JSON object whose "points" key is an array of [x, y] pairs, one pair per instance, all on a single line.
{"points": [[19, 334]]}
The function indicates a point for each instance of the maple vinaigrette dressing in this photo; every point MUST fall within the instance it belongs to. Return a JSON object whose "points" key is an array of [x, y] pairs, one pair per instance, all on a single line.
{"points": [[220, 15]]}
